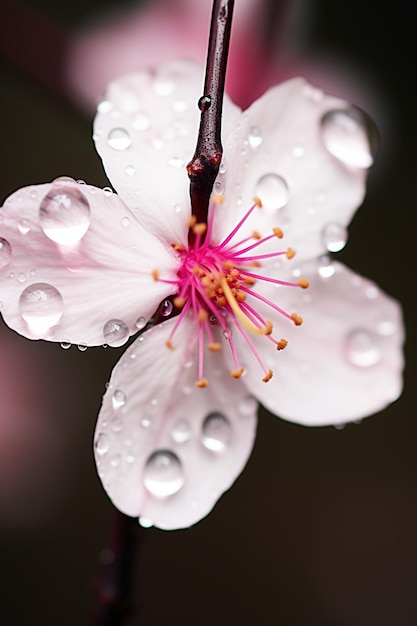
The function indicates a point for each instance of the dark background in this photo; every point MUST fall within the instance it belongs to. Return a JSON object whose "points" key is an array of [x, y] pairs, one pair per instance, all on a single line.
{"points": [[321, 527]]}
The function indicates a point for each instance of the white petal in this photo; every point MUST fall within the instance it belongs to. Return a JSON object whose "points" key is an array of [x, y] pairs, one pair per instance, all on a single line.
{"points": [[344, 363], [278, 153], [200, 439], [73, 258]]}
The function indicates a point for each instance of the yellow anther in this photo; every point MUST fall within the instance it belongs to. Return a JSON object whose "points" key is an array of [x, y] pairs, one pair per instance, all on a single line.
{"points": [[200, 228], [179, 302], [290, 253], [303, 282], [191, 221], [228, 265], [278, 233], [202, 315], [296, 319], [202, 383], [232, 302], [282, 343], [214, 346], [237, 373], [257, 201], [268, 376], [256, 235], [169, 344], [218, 199], [155, 274], [178, 247]]}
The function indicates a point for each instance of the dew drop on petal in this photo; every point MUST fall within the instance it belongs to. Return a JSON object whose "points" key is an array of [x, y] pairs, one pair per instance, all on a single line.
{"points": [[65, 345], [105, 106], [5, 252], [166, 308], [272, 191], [350, 135], [64, 214], [141, 121], [216, 432], [181, 431], [145, 522], [129, 170], [255, 137], [118, 399], [115, 333], [119, 139], [326, 268], [334, 237], [140, 323], [41, 306], [108, 191], [24, 226], [362, 349], [82, 347], [125, 221], [163, 475], [115, 460], [102, 444]]}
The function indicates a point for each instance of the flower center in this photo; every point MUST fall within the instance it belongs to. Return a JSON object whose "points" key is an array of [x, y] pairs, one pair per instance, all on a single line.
{"points": [[214, 282]]}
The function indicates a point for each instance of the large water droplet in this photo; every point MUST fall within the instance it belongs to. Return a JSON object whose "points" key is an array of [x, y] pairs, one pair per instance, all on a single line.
{"points": [[140, 323], [102, 444], [181, 431], [163, 475], [362, 349], [166, 308], [115, 333], [255, 137], [326, 269], [334, 237], [119, 139], [350, 135], [216, 432], [64, 214], [118, 399], [273, 191], [5, 252], [41, 306]]}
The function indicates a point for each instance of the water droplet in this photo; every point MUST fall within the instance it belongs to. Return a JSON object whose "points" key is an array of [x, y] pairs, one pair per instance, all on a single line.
{"points": [[64, 214], [82, 347], [41, 306], [65, 345], [5, 252], [181, 431], [166, 308], [227, 333], [204, 103], [24, 226], [255, 138], [273, 191], [21, 277], [145, 522], [115, 333], [326, 268], [248, 406], [177, 208], [216, 432], [218, 187], [117, 424], [129, 170], [334, 237], [223, 167], [125, 221], [104, 106], [298, 152], [350, 135], [362, 349], [140, 323], [102, 444], [115, 460], [107, 191], [119, 139], [163, 475], [118, 399]]}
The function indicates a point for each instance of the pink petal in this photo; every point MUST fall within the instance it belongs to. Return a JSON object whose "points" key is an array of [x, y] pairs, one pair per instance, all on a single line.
{"points": [[65, 274], [166, 450], [345, 362], [279, 153], [146, 132]]}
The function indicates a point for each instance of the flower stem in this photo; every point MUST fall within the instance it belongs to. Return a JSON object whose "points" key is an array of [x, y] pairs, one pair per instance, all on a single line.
{"points": [[204, 166]]}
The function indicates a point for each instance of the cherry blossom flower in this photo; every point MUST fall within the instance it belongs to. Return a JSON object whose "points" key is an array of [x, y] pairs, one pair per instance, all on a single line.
{"points": [[88, 266]]}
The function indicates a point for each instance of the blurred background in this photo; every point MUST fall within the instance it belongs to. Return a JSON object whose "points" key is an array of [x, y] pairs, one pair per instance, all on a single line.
{"points": [[321, 527]]}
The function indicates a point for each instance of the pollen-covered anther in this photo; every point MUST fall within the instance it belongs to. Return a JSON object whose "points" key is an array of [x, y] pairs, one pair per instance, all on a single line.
{"points": [[199, 228], [179, 302], [281, 344], [268, 327], [256, 235], [202, 383], [268, 376], [202, 315], [290, 253], [237, 373], [296, 319], [214, 346], [191, 221], [218, 199], [257, 201], [155, 274], [303, 283], [278, 233], [169, 344], [178, 247]]}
